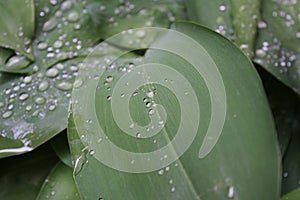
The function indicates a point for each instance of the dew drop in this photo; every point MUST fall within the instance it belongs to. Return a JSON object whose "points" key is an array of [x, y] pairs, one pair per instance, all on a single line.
{"points": [[64, 85], [17, 62], [49, 25], [92, 152], [173, 189], [42, 45], [140, 33], [78, 83], [23, 96], [27, 79], [230, 193], [138, 135], [108, 98], [151, 112], [28, 108], [43, 86], [109, 79], [73, 16], [150, 94], [53, 193], [66, 5], [7, 114], [52, 107], [58, 44], [52, 72], [39, 100], [161, 172]]}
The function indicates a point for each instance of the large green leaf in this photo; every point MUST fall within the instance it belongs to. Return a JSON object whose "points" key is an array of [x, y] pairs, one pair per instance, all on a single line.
{"points": [[277, 45], [244, 159], [59, 184], [17, 25], [22, 177]]}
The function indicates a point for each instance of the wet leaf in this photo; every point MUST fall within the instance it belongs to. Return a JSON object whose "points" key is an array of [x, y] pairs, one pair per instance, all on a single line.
{"points": [[275, 52], [205, 174], [17, 25], [59, 184]]}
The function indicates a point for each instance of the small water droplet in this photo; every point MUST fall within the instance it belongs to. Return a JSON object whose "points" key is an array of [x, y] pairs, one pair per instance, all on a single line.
{"points": [[39, 100], [66, 5], [23, 96], [43, 86], [52, 107], [78, 83], [92, 152], [109, 79], [27, 79], [7, 114], [50, 24], [230, 193], [53, 193], [150, 94], [138, 135], [108, 98], [151, 112], [42, 45], [161, 172], [58, 44], [73, 16], [52, 72], [173, 189], [64, 85]]}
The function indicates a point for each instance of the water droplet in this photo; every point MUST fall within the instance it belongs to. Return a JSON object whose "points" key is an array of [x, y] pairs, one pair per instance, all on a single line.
{"points": [[230, 193], [66, 5], [140, 33], [7, 114], [150, 94], [109, 79], [138, 135], [78, 83], [52, 72], [222, 8], [28, 108], [173, 189], [108, 98], [58, 44], [285, 174], [27, 79], [1, 104], [52, 193], [92, 152], [42, 45], [17, 62], [171, 181], [161, 172], [52, 107], [64, 85], [44, 85], [39, 100], [151, 112], [132, 162], [50, 24], [73, 16], [23, 96]]}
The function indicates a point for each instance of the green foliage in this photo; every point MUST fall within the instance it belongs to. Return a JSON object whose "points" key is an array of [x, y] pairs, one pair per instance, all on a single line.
{"points": [[46, 46]]}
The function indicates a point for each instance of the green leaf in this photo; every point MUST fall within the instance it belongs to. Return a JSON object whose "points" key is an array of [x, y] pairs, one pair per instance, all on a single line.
{"points": [[4, 55], [234, 19], [284, 15], [245, 139], [118, 16], [276, 50], [294, 195], [59, 184], [17, 25], [245, 16], [61, 148], [213, 14], [21, 177]]}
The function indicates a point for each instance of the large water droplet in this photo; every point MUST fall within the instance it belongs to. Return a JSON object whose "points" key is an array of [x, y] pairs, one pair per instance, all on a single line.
{"points": [[17, 62], [39, 100], [52, 72], [64, 85], [58, 44], [66, 5], [50, 24], [27, 79], [7, 114], [44, 85], [73, 16], [230, 193], [42, 45], [23, 96]]}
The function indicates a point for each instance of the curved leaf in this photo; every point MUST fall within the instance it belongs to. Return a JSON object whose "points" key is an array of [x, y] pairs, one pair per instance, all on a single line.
{"points": [[17, 25], [59, 184], [22, 177], [245, 158], [61, 148], [276, 50]]}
